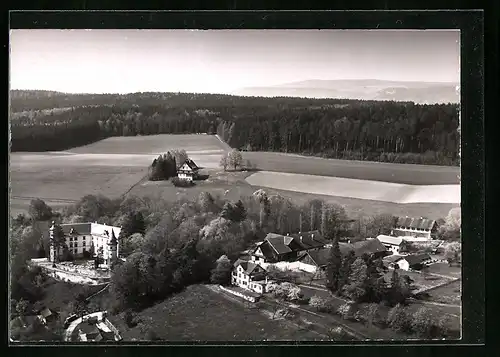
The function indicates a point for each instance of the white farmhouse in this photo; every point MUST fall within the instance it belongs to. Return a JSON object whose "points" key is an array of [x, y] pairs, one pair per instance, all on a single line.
{"points": [[188, 170], [393, 244], [249, 276]]}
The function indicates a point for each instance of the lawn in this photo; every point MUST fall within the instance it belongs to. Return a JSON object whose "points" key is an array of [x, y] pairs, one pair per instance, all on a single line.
{"points": [[115, 165], [154, 144], [447, 294], [446, 270], [421, 281], [109, 167], [58, 294], [376, 171], [354, 188], [232, 186], [199, 314]]}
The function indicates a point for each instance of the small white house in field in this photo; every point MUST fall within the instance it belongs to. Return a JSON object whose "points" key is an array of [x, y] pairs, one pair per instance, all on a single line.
{"points": [[393, 244], [188, 170], [249, 276]]}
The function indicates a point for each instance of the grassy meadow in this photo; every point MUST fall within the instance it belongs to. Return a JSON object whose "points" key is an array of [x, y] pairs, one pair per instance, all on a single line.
{"points": [[117, 166]]}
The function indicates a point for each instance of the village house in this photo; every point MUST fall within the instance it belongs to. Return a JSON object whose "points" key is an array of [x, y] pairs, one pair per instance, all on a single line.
{"points": [[188, 170], [317, 260], [279, 248], [413, 262], [82, 238], [392, 244], [250, 276], [423, 228]]}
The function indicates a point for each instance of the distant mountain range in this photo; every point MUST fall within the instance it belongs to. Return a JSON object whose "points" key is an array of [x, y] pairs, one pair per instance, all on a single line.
{"points": [[418, 92]]}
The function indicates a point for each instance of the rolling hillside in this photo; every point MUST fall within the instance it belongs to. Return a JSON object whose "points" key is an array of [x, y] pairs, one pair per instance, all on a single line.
{"points": [[418, 92]]}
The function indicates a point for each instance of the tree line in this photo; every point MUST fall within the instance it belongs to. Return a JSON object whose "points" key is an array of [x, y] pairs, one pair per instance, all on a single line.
{"points": [[170, 245], [345, 129]]}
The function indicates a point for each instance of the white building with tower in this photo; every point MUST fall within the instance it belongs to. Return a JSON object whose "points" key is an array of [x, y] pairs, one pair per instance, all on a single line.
{"points": [[80, 238]]}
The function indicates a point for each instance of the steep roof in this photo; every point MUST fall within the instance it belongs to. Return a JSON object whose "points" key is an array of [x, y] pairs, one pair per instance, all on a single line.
{"points": [[309, 240], [417, 258], [247, 266], [416, 223], [265, 248], [279, 243], [389, 239], [369, 246], [192, 165], [319, 257]]}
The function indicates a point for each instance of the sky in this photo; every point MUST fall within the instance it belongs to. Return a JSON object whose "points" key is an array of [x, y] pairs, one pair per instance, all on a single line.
{"points": [[125, 61]]}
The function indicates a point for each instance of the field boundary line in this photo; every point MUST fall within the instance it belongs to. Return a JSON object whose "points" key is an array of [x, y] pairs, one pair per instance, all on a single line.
{"points": [[226, 145]]}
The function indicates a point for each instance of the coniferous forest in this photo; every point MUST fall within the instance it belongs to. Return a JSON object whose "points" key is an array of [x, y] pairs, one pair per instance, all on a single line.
{"points": [[336, 128]]}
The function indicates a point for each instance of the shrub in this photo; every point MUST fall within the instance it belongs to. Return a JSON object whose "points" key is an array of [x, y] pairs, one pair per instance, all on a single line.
{"points": [[373, 314], [131, 319], [398, 319], [346, 311], [177, 182], [425, 324], [320, 304]]}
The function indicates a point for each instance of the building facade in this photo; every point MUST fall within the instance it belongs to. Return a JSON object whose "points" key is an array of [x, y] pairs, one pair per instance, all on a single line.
{"points": [[83, 239], [393, 244], [249, 276], [415, 227], [188, 170]]}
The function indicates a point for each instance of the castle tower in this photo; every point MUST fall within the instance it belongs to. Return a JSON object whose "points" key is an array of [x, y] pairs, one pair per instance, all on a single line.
{"points": [[113, 249], [52, 254]]}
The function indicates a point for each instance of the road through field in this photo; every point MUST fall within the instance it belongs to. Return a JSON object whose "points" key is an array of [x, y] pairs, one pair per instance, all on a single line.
{"points": [[364, 170]]}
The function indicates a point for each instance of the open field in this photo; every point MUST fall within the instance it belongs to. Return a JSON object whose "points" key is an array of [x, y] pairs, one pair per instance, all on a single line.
{"points": [[199, 314], [236, 186], [154, 144], [447, 294], [115, 165], [360, 189], [377, 171], [453, 272], [109, 167]]}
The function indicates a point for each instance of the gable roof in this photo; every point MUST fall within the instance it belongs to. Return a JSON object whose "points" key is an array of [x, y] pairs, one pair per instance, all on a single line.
{"points": [[319, 257], [190, 163], [389, 239], [265, 248], [279, 243], [417, 258], [248, 267], [369, 246], [310, 239], [416, 223]]}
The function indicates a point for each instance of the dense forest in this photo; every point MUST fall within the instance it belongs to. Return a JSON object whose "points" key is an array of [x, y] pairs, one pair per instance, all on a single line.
{"points": [[335, 128]]}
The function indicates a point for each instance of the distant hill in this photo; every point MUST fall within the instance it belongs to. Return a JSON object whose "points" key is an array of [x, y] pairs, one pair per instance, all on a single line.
{"points": [[418, 92]]}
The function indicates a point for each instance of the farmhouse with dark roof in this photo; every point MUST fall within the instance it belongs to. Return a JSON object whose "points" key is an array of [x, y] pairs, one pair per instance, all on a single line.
{"points": [[250, 276], [279, 248], [188, 170]]}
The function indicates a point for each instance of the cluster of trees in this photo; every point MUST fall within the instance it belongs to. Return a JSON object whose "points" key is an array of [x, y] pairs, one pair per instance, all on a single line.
{"points": [[348, 129], [361, 279], [232, 159], [165, 166]]}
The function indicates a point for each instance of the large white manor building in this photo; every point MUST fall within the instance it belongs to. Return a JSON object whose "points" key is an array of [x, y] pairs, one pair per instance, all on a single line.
{"points": [[87, 237]]}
